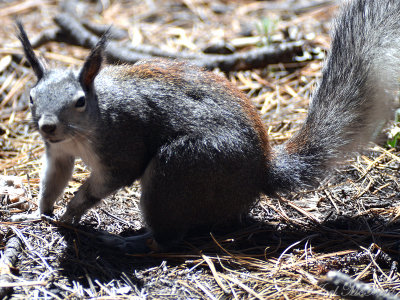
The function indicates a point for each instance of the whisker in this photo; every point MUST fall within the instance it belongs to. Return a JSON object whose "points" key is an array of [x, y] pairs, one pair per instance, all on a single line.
{"points": [[78, 133]]}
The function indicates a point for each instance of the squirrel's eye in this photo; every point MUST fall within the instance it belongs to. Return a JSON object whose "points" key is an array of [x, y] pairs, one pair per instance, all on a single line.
{"points": [[80, 102], [30, 100]]}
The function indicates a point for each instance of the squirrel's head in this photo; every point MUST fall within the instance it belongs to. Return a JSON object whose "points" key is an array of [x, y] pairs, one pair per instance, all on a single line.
{"points": [[63, 101]]}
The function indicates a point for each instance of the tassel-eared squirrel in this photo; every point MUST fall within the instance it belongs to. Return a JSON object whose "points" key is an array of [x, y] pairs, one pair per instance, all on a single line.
{"points": [[193, 139]]}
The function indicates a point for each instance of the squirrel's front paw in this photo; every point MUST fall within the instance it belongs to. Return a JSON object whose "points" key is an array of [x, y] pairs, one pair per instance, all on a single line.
{"points": [[35, 216], [70, 217]]}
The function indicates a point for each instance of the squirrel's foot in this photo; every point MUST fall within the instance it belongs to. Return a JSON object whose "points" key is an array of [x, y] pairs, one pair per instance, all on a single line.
{"points": [[70, 217], [34, 216], [143, 243]]}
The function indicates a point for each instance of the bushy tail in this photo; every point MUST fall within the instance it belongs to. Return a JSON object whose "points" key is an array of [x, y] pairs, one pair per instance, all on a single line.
{"points": [[359, 81]]}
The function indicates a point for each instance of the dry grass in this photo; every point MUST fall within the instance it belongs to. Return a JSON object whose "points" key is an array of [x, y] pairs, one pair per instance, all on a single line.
{"points": [[280, 252]]}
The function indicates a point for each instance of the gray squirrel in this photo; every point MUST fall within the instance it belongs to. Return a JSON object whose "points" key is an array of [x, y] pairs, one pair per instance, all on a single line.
{"points": [[194, 140]]}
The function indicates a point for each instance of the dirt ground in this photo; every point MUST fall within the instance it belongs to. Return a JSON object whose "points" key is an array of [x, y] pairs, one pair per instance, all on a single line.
{"points": [[282, 250]]}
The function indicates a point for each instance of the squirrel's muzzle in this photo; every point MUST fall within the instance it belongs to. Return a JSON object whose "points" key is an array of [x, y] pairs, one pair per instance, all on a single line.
{"points": [[48, 125]]}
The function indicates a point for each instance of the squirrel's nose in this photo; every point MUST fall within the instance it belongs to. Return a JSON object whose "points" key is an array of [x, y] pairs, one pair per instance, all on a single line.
{"points": [[48, 124], [48, 128]]}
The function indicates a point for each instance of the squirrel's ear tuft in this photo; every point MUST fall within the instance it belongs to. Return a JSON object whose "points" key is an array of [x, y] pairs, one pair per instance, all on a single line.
{"points": [[93, 63], [35, 63]]}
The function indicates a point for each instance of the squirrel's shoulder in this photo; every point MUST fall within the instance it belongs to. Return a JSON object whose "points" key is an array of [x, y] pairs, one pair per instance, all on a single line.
{"points": [[188, 83]]}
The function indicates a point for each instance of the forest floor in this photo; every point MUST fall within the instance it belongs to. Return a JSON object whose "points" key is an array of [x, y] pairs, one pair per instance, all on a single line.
{"points": [[284, 248]]}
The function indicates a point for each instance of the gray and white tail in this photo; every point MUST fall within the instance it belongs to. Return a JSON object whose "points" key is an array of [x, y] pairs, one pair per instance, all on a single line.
{"points": [[359, 82]]}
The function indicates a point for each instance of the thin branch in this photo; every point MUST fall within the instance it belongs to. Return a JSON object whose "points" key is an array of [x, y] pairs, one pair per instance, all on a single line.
{"points": [[72, 31], [346, 287], [7, 262]]}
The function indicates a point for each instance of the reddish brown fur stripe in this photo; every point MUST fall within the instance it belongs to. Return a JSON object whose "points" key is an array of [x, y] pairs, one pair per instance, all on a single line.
{"points": [[157, 68]]}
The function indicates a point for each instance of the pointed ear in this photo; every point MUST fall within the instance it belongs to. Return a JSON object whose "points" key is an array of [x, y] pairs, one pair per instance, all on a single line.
{"points": [[35, 63], [93, 63]]}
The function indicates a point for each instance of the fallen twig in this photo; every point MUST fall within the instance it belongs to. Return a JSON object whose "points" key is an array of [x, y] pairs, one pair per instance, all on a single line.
{"points": [[346, 287], [297, 8], [22, 283], [7, 263], [74, 32]]}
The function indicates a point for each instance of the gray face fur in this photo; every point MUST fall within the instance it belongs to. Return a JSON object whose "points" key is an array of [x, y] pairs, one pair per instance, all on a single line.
{"points": [[62, 100], [59, 112]]}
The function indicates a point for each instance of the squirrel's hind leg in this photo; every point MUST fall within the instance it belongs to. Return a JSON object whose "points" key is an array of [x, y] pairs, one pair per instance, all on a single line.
{"points": [[190, 184]]}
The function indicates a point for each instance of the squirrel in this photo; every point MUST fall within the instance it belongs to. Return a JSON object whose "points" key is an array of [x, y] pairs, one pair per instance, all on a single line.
{"points": [[195, 141]]}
